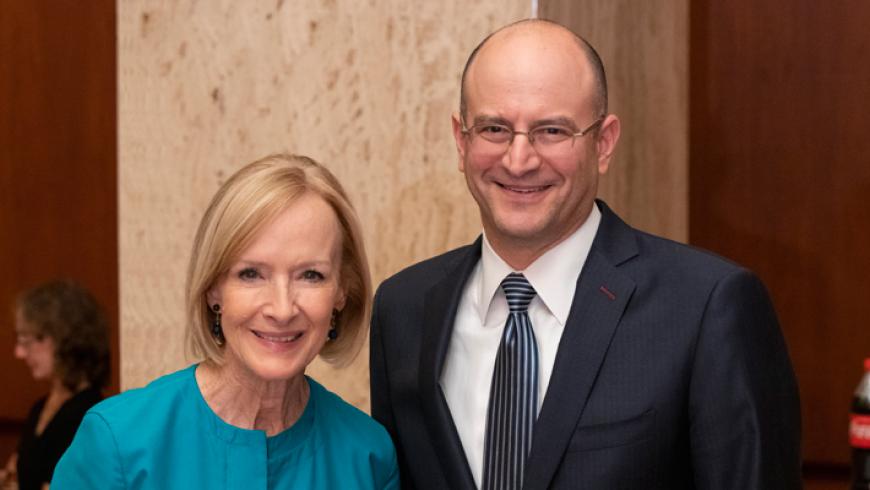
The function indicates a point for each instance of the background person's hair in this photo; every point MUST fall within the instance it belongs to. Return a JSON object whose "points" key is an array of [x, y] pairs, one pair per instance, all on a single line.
{"points": [[68, 314], [245, 203], [591, 56]]}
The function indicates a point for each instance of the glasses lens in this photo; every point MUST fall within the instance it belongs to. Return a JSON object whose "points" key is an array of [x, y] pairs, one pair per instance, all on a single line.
{"points": [[493, 133], [25, 339], [551, 135]]}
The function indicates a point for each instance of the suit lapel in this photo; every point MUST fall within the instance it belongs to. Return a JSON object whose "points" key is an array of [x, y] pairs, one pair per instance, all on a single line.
{"points": [[601, 297], [439, 313]]}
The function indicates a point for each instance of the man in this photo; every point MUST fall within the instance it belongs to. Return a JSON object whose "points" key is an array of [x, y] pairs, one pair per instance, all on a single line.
{"points": [[564, 349]]}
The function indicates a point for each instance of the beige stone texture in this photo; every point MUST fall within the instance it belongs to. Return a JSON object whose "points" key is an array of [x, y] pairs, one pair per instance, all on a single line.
{"points": [[645, 48], [365, 87]]}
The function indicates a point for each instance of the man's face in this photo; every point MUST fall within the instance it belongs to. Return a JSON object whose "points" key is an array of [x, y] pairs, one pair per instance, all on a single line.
{"points": [[531, 197]]}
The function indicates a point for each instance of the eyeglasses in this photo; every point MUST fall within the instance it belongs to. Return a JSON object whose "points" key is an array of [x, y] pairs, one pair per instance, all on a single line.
{"points": [[26, 339], [547, 139]]}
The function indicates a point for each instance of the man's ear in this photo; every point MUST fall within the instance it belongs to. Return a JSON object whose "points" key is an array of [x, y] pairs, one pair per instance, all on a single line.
{"points": [[461, 140], [608, 135]]}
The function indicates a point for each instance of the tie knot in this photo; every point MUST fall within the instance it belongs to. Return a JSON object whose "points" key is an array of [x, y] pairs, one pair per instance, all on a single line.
{"points": [[518, 291]]}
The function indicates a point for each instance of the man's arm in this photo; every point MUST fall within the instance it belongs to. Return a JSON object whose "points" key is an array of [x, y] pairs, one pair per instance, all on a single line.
{"points": [[382, 410], [744, 408]]}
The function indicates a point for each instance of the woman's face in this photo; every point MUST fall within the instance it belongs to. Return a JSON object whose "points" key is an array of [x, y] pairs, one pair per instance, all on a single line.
{"points": [[36, 351], [277, 297]]}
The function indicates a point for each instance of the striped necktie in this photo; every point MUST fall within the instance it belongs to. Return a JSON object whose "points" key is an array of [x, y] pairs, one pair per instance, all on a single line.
{"points": [[513, 397]]}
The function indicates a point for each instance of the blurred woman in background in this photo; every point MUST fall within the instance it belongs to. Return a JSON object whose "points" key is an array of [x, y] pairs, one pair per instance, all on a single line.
{"points": [[62, 336]]}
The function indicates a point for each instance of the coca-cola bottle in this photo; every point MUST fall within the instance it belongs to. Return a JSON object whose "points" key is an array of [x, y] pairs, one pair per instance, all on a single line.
{"points": [[859, 432]]}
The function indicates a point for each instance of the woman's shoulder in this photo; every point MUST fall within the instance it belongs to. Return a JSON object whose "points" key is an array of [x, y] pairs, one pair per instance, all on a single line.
{"points": [[140, 404], [351, 436], [345, 420]]}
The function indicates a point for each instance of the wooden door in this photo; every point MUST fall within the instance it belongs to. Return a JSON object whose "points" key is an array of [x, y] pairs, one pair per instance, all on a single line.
{"points": [[780, 181], [58, 212]]}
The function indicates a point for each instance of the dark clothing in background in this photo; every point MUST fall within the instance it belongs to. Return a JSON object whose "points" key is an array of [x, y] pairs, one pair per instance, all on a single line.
{"points": [[38, 454]]}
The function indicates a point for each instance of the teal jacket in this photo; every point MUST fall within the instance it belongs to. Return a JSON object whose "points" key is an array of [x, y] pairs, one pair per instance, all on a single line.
{"points": [[165, 436]]}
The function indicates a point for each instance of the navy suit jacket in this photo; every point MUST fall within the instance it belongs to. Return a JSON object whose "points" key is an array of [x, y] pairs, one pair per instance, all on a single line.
{"points": [[671, 373]]}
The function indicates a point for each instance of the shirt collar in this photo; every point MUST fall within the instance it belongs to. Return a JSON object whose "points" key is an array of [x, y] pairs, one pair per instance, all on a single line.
{"points": [[553, 275]]}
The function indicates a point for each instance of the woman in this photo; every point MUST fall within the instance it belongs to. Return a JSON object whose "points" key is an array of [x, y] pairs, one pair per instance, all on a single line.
{"points": [[277, 276], [62, 336]]}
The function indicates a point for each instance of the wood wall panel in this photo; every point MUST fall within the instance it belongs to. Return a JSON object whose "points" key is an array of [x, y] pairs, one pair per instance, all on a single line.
{"points": [[780, 181], [366, 88], [58, 210], [644, 46]]}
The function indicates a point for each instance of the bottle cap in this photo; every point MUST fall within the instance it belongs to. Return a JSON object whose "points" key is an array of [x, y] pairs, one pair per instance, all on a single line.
{"points": [[867, 364]]}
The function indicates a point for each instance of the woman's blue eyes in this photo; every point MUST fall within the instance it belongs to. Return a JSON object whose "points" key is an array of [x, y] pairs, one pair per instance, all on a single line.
{"points": [[312, 275], [249, 274]]}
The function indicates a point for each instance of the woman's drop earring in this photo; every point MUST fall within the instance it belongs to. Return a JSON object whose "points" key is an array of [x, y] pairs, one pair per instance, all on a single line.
{"points": [[333, 325], [216, 330]]}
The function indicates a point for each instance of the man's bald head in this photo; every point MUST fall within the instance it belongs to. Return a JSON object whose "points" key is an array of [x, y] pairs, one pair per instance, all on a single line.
{"points": [[593, 61]]}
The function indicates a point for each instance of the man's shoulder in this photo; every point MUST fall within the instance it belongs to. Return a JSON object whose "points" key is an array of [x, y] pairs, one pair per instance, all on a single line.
{"points": [[619, 241], [690, 255], [422, 275], [645, 256], [666, 261]]}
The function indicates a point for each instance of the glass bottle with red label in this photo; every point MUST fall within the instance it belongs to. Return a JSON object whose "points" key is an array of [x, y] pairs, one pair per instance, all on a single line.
{"points": [[859, 432]]}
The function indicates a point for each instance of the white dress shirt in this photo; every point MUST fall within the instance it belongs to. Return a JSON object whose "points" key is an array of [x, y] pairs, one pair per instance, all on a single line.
{"points": [[480, 320]]}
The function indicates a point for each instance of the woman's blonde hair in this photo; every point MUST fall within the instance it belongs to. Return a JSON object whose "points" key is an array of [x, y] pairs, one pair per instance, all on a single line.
{"points": [[250, 199]]}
